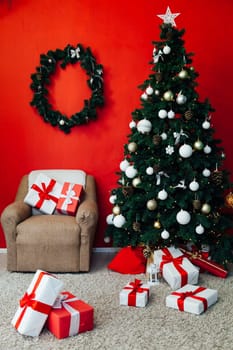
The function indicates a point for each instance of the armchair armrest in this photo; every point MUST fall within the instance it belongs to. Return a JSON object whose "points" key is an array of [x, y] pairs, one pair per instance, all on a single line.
{"points": [[87, 214]]}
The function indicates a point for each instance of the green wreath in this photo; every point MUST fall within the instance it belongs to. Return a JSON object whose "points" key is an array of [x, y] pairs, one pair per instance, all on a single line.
{"points": [[41, 80]]}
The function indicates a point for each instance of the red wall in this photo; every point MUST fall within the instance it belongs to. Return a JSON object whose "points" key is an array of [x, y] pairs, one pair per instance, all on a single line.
{"points": [[120, 34]]}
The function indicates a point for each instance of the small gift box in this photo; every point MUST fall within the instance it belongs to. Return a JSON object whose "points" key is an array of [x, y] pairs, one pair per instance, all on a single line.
{"points": [[135, 294], [199, 260], [192, 299], [44, 194], [69, 198], [70, 316], [36, 303], [176, 269]]}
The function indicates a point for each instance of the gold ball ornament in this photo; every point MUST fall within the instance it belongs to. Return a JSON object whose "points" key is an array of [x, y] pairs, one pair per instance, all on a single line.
{"points": [[168, 95], [151, 204], [132, 147], [136, 181], [229, 200], [183, 74], [206, 208], [157, 224], [116, 210], [198, 145]]}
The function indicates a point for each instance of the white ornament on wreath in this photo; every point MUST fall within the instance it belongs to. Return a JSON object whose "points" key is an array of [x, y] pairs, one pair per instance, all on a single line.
{"points": [[131, 172], [119, 221], [162, 114], [183, 217], [162, 195], [165, 234], [124, 165], [144, 126], [185, 151]]}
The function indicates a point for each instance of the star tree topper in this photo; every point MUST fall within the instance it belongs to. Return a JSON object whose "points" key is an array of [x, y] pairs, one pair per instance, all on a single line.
{"points": [[169, 17]]}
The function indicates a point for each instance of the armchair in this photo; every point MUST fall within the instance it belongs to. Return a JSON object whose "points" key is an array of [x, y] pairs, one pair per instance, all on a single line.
{"points": [[55, 243]]}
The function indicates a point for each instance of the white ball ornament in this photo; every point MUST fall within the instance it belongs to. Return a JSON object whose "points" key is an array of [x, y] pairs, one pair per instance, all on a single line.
{"points": [[144, 96], [109, 219], [168, 95], [162, 195], [206, 172], [149, 170], [165, 234], [157, 92], [107, 239], [132, 124], [162, 114], [194, 186], [144, 126], [132, 146], [112, 199], [206, 124], [119, 221], [185, 151], [199, 229], [207, 149], [183, 217], [131, 172], [124, 165], [181, 99], [164, 136], [149, 90], [171, 114], [166, 50]]}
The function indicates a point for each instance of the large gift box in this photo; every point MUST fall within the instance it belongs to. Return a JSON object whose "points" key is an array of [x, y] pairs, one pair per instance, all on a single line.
{"points": [[176, 269], [69, 198], [44, 194], [192, 299], [135, 294], [70, 316], [204, 263], [36, 303]]}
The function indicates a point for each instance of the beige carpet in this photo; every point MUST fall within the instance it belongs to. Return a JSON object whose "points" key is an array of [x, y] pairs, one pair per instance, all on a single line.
{"points": [[154, 327]]}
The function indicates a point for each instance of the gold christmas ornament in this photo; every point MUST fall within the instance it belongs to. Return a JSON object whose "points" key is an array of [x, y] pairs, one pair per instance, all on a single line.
{"points": [[183, 74], [168, 95], [157, 224], [116, 210], [132, 146], [198, 145], [229, 200], [206, 208], [136, 181], [151, 204]]}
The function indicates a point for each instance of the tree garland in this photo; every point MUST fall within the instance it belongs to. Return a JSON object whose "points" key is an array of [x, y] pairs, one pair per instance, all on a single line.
{"points": [[41, 79]]}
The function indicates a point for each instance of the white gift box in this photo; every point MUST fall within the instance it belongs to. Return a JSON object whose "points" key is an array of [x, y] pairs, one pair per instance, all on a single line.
{"points": [[44, 194], [176, 269], [135, 294], [193, 299], [36, 303]]}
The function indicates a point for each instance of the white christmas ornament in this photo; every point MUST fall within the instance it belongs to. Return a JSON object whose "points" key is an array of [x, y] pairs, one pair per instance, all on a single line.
{"points": [[112, 199], [166, 50], [162, 113], [131, 172], [165, 234], [119, 221], [206, 124], [107, 239], [185, 151], [183, 217], [171, 114], [206, 172], [194, 185], [132, 146], [162, 195], [124, 165], [109, 219], [207, 149], [149, 170], [144, 126], [199, 229], [132, 124], [164, 136], [149, 90], [181, 99], [144, 96]]}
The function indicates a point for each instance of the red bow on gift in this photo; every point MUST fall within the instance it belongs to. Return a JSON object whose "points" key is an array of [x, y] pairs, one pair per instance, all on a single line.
{"points": [[136, 286], [44, 192], [183, 295], [168, 258], [27, 300]]}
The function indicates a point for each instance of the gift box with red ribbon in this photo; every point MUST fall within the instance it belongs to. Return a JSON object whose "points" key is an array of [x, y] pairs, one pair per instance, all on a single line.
{"points": [[176, 269], [70, 316], [69, 198], [135, 294], [36, 303], [193, 299], [198, 259], [44, 194]]}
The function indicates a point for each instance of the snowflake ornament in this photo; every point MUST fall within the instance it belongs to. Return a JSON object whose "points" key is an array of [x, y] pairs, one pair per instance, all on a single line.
{"points": [[169, 17], [169, 150]]}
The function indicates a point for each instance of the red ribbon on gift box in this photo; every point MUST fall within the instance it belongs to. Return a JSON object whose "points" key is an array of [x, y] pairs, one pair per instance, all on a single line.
{"points": [[190, 294], [44, 192], [212, 267], [28, 300], [168, 258], [135, 288]]}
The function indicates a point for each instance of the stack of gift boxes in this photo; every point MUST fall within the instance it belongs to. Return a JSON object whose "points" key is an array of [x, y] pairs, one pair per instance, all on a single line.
{"points": [[49, 196]]}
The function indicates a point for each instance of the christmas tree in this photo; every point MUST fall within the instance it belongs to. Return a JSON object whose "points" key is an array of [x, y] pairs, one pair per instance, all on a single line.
{"points": [[172, 185]]}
